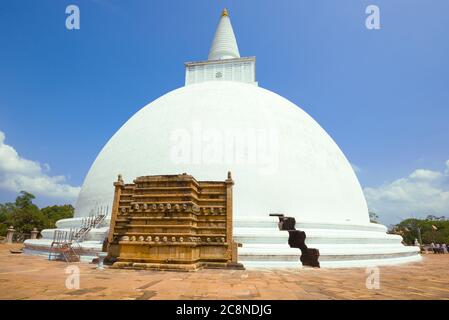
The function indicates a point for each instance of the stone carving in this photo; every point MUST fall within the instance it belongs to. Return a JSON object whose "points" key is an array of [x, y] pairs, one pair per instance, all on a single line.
{"points": [[167, 236]]}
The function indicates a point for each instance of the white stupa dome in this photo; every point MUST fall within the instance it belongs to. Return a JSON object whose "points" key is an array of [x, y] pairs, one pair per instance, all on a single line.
{"points": [[280, 158]]}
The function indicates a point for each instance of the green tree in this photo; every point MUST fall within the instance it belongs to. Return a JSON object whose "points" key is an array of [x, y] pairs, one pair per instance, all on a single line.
{"points": [[3, 219], [24, 215], [373, 217], [410, 230], [431, 230], [55, 213]]}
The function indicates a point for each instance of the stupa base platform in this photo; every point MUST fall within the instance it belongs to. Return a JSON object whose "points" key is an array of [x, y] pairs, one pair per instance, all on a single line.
{"points": [[87, 249], [340, 245], [265, 246], [41, 247], [176, 266]]}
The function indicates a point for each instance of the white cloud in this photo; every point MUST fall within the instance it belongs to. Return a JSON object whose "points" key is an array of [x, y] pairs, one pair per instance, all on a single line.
{"points": [[422, 174], [17, 174], [421, 193]]}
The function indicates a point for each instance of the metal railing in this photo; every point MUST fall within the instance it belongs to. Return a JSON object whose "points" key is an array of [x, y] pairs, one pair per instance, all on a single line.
{"points": [[67, 244]]}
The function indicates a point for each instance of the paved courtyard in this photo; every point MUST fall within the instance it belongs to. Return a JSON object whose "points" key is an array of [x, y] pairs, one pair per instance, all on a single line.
{"points": [[30, 277]]}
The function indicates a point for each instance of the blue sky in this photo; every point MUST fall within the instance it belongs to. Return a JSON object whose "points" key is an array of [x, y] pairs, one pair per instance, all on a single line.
{"points": [[383, 95]]}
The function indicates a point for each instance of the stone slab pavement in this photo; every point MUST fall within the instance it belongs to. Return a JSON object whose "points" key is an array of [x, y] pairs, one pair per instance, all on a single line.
{"points": [[32, 277]]}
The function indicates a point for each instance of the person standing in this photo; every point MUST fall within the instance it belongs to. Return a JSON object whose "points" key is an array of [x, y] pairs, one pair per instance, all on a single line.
{"points": [[444, 247]]}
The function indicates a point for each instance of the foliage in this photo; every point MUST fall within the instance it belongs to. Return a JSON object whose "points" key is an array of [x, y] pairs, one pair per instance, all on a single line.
{"points": [[55, 213], [411, 229], [24, 215]]}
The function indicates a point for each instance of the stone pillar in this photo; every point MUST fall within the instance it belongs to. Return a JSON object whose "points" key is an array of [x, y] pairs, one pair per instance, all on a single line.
{"points": [[34, 233], [119, 184], [10, 234], [229, 237]]}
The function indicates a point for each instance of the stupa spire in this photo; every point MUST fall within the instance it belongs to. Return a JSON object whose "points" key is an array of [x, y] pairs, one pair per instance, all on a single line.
{"points": [[224, 45]]}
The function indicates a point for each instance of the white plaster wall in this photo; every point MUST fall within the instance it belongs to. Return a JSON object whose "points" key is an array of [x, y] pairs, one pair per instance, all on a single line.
{"points": [[304, 175]]}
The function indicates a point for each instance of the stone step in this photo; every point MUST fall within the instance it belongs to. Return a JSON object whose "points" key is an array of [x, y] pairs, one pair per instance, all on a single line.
{"points": [[329, 250], [300, 225], [357, 263]]}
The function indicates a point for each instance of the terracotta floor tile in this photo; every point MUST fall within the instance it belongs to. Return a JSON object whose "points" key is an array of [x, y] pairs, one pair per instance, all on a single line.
{"points": [[29, 277]]}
